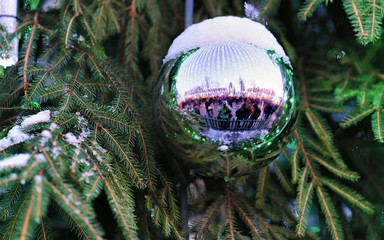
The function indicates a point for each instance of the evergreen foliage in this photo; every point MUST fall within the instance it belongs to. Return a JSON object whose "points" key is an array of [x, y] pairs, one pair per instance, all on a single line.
{"points": [[79, 153]]}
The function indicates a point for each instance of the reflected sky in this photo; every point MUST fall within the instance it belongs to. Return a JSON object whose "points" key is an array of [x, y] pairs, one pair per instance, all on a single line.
{"points": [[235, 67]]}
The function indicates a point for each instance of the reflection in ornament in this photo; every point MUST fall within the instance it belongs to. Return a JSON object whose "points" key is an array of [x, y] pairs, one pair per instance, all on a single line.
{"points": [[238, 89], [234, 92]]}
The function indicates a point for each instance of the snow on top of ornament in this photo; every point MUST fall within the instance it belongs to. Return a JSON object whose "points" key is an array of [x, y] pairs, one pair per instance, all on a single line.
{"points": [[225, 29]]}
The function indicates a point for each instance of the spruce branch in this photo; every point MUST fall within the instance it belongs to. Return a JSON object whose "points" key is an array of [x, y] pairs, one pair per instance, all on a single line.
{"points": [[295, 168], [317, 153], [365, 17], [4, 38], [168, 222], [247, 219], [230, 219], [211, 212], [82, 219], [28, 52], [356, 117], [351, 176], [261, 187], [69, 67], [308, 8], [132, 38], [304, 203], [65, 84], [282, 178], [212, 8], [305, 155], [349, 194], [266, 7], [354, 12], [121, 210], [330, 213], [377, 120]]}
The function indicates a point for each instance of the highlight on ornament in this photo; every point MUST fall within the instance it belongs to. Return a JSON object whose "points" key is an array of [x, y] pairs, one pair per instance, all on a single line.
{"points": [[230, 78]]}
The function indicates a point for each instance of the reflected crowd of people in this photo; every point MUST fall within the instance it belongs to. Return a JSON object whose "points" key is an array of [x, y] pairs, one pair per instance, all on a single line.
{"points": [[245, 109]]}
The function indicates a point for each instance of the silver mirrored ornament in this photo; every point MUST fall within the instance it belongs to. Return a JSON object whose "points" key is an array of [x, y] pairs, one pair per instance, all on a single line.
{"points": [[227, 96]]}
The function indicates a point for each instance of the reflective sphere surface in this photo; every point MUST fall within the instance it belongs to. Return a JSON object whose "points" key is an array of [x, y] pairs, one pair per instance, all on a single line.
{"points": [[233, 96]]}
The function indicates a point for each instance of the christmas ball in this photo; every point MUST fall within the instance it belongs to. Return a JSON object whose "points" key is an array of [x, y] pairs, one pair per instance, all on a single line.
{"points": [[226, 89]]}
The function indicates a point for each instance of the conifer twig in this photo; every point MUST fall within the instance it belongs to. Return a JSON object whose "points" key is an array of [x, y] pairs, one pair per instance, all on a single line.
{"points": [[28, 52]]}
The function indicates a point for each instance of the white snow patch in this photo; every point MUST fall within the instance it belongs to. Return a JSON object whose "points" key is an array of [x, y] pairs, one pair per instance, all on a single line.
{"points": [[15, 161], [49, 5], [223, 148], [77, 151], [71, 139], [53, 127], [5, 143], [84, 161], [73, 166], [348, 213], [251, 12], [38, 179], [79, 37], [40, 157], [13, 176], [15, 136], [56, 151], [230, 137], [84, 134], [43, 116], [103, 150], [96, 154], [46, 134], [225, 29], [85, 176]]}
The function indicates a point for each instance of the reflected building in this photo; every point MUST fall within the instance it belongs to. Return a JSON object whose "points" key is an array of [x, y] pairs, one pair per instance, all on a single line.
{"points": [[203, 92]]}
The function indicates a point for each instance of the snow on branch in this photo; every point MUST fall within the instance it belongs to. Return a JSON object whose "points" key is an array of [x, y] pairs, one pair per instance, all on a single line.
{"points": [[41, 117], [15, 161], [16, 134]]}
